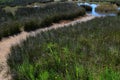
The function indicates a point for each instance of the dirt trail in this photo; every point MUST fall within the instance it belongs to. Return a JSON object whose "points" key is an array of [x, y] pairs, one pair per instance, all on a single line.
{"points": [[6, 44]]}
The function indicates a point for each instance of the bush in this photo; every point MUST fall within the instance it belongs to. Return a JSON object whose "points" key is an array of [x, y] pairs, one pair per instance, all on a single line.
{"points": [[10, 28], [86, 51], [4, 16], [49, 14], [48, 8], [31, 24]]}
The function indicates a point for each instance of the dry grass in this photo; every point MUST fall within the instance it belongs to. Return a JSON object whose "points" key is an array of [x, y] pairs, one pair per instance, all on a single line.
{"points": [[11, 9], [107, 8]]}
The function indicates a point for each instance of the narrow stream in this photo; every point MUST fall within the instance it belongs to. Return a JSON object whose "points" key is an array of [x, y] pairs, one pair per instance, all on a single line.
{"points": [[94, 13]]}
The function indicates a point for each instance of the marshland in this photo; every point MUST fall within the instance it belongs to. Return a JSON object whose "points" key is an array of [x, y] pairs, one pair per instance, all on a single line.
{"points": [[59, 40]]}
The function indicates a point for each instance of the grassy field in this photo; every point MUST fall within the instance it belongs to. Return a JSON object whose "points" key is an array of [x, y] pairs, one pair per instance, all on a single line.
{"points": [[86, 51]]}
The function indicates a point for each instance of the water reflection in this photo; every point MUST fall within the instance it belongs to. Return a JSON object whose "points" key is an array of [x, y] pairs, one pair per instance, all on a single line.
{"points": [[93, 12]]}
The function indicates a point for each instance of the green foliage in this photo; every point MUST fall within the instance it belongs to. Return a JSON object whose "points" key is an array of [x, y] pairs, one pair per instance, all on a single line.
{"points": [[86, 51], [31, 25], [44, 75], [4, 16], [109, 74], [10, 28]]}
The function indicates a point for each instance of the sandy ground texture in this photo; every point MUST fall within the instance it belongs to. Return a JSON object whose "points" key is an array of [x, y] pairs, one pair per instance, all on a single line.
{"points": [[6, 43]]}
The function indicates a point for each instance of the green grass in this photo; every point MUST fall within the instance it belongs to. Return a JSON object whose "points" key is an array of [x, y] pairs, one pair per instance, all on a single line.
{"points": [[87, 51]]}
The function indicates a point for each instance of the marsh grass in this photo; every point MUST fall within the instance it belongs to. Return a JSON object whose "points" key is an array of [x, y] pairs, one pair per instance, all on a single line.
{"points": [[86, 51]]}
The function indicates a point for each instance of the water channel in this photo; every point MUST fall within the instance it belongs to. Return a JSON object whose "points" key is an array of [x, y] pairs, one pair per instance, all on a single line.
{"points": [[94, 13]]}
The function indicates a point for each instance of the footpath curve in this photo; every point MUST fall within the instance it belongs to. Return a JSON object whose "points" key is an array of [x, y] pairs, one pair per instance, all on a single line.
{"points": [[7, 43]]}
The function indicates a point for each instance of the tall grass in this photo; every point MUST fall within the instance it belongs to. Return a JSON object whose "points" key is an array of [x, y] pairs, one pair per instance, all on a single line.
{"points": [[86, 51]]}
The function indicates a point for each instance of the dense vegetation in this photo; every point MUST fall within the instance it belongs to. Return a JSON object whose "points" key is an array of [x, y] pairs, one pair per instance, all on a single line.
{"points": [[4, 15], [87, 8], [111, 1], [35, 18], [116, 2], [119, 13], [3, 3], [86, 51], [107, 8], [21, 2]]}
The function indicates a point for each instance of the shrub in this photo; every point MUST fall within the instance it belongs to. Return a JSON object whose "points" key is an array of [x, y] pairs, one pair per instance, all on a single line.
{"points": [[87, 8], [10, 28], [28, 11], [21, 2], [33, 18], [31, 24], [4, 16], [49, 14]]}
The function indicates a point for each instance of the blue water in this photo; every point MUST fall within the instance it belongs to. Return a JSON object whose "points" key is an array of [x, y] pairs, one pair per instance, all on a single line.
{"points": [[94, 13], [119, 8]]}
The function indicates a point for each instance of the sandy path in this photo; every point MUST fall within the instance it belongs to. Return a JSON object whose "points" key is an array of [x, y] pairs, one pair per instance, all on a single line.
{"points": [[6, 44]]}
